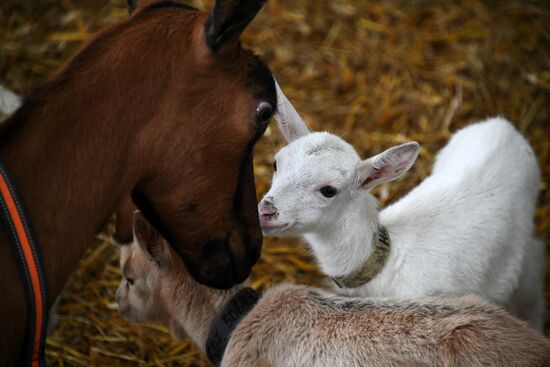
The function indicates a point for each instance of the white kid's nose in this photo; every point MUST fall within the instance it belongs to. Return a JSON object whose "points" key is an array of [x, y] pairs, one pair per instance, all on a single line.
{"points": [[266, 208]]}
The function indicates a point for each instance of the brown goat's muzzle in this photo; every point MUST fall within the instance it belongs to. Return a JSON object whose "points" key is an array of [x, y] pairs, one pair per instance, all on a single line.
{"points": [[224, 262]]}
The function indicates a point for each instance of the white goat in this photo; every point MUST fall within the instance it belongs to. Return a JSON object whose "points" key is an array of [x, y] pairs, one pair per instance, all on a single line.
{"points": [[301, 326], [466, 229], [9, 102]]}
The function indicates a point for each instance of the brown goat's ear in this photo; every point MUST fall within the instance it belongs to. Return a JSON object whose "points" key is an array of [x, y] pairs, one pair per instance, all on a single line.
{"points": [[132, 5], [150, 240], [228, 19], [136, 4]]}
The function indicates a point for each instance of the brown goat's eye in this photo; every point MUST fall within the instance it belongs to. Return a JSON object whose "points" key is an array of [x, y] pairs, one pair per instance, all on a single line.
{"points": [[264, 112], [328, 191], [275, 166]]}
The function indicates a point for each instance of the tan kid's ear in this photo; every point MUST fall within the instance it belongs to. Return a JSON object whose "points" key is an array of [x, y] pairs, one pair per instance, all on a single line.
{"points": [[386, 166], [150, 240], [124, 219]]}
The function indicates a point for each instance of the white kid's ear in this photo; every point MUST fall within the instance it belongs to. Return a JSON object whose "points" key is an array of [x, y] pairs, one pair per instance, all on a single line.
{"points": [[289, 121], [150, 240], [386, 166]]}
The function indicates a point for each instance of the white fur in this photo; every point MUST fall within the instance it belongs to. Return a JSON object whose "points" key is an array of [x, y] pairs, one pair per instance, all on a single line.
{"points": [[9, 101], [467, 228]]}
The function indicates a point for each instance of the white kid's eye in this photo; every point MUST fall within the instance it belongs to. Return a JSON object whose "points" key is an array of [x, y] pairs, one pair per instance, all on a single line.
{"points": [[328, 191]]}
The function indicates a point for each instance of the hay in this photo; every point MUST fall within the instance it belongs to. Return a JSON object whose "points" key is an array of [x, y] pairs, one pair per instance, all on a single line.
{"points": [[376, 73]]}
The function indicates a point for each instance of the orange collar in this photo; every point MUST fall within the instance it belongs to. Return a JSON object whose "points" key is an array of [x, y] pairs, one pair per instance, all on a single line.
{"points": [[30, 264]]}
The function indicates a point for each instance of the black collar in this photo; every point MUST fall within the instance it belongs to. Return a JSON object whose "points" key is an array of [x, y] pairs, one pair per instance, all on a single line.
{"points": [[227, 321]]}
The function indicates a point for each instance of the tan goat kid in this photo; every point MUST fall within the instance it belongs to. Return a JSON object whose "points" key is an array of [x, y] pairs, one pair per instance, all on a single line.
{"points": [[295, 325]]}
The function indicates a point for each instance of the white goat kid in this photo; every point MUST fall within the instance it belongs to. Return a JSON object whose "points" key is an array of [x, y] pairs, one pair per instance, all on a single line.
{"points": [[9, 102], [468, 228]]}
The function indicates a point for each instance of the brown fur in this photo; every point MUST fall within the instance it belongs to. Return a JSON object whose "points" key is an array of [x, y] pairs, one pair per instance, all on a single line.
{"points": [[301, 326], [145, 110]]}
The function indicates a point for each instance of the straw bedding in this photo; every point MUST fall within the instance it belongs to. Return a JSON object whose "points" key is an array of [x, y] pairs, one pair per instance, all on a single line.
{"points": [[377, 73]]}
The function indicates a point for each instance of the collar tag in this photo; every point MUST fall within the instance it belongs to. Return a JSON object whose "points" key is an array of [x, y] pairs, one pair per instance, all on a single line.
{"points": [[232, 313], [372, 265]]}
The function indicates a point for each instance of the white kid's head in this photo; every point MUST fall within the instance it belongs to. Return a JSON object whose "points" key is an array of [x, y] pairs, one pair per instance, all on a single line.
{"points": [[317, 175]]}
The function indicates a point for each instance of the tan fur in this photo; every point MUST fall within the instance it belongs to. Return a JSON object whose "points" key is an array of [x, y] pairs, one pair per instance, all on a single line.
{"points": [[301, 326]]}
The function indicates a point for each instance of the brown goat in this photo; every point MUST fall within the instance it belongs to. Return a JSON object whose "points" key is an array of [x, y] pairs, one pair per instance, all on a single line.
{"points": [[301, 326], [161, 110]]}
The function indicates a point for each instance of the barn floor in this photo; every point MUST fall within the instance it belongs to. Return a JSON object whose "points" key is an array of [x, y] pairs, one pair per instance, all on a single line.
{"points": [[378, 73]]}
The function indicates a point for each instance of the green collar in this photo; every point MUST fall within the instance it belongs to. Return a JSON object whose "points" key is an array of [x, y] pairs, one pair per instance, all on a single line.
{"points": [[372, 266]]}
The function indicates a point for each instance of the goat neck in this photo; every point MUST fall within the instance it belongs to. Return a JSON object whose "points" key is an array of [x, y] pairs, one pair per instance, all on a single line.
{"points": [[343, 247], [194, 308]]}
